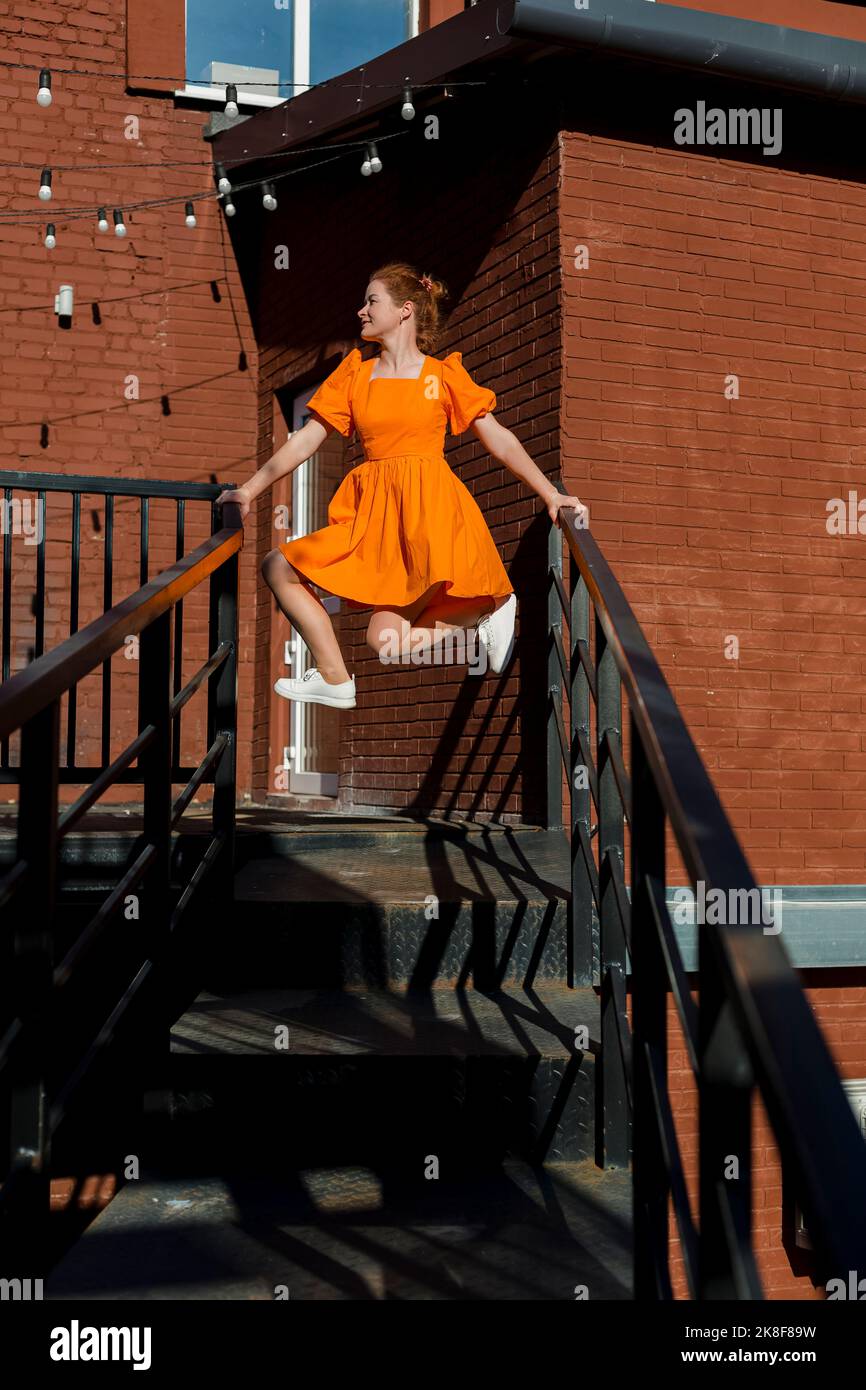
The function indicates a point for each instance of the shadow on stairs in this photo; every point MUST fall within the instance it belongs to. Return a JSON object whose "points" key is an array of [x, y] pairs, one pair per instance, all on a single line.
{"points": [[380, 1086]]}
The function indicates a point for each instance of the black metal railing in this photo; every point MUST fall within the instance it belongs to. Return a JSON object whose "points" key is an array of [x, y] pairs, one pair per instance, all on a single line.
{"points": [[43, 486], [53, 1033], [751, 1027]]}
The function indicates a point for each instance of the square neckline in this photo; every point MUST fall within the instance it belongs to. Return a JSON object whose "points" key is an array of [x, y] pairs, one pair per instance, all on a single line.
{"points": [[372, 378]]}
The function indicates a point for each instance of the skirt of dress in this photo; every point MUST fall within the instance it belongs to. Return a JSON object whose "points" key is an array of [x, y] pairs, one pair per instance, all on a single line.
{"points": [[396, 527]]}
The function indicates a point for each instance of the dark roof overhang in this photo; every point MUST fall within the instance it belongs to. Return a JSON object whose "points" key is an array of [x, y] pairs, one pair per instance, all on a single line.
{"points": [[479, 41]]}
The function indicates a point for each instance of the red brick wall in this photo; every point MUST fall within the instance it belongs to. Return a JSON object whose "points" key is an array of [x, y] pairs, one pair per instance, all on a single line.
{"points": [[712, 512], [432, 739], [446, 742], [433, 12], [170, 313], [786, 1271]]}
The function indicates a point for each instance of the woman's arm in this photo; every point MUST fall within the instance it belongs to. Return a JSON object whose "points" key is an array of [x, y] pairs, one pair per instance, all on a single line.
{"points": [[508, 450], [297, 449]]}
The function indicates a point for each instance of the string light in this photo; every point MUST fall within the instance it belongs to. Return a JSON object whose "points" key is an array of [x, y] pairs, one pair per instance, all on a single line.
{"points": [[212, 284], [43, 95], [126, 406], [73, 214], [206, 163], [372, 164], [44, 98]]}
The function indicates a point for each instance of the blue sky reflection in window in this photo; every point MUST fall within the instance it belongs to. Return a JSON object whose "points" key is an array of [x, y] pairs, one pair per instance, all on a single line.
{"points": [[258, 34]]}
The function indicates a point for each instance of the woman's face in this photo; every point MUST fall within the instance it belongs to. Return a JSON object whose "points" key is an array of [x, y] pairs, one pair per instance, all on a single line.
{"points": [[380, 315]]}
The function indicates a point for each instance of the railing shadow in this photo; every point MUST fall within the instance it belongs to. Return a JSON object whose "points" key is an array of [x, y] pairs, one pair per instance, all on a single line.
{"points": [[525, 701]]}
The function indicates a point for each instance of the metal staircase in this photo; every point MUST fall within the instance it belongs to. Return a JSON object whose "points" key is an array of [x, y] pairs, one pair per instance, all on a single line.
{"points": [[340, 1058], [387, 1058]]}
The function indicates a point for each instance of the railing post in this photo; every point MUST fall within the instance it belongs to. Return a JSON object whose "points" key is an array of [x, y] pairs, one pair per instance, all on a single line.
{"points": [[6, 635], [29, 989], [222, 714], [553, 793], [584, 949], [615, 1145], [726, 1265], [154, 697], [649, 993]]}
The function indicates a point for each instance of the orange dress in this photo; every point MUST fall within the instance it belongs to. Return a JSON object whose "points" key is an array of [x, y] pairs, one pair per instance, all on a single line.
{"points": [[401, 521]]}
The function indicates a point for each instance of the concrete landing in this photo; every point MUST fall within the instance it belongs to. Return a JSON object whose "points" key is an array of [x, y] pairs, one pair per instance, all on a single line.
{"points": [[517, 1233]]}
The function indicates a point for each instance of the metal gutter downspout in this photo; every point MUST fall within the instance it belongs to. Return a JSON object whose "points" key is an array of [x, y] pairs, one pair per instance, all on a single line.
{"points": [[815, 63]]}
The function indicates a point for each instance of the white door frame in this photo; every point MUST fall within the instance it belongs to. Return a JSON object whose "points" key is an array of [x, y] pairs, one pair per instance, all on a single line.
{"points": [[297, 653]]}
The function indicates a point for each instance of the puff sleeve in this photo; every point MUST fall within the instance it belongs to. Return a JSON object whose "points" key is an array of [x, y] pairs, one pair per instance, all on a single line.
{"points": [[333, 400], [464, 400]]}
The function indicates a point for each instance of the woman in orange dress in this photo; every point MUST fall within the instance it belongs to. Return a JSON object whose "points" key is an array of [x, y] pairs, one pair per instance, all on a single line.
{"points": [[405, 537]]}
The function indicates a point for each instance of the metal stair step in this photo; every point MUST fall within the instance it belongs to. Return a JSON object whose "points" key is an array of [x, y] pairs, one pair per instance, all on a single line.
{"points": [[404, 910], [348, 1233], [510, 1022]]}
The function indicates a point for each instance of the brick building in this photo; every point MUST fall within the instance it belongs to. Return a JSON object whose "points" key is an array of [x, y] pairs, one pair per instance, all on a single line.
{"points": [[676, 330]]}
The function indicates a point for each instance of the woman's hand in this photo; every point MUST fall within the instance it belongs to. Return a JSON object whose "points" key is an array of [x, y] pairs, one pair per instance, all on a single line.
{"points": [[239, 495], [581, 513]]}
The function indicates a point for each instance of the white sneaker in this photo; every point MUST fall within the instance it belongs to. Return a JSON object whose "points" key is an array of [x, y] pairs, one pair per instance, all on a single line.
{"points": [[496, 633], [315, 690]]}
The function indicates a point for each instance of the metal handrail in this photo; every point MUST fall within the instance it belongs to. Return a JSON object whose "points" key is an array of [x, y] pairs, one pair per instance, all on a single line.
{"points": [[78, 486], [752, 1027], [38, 1091], [52, 675]]}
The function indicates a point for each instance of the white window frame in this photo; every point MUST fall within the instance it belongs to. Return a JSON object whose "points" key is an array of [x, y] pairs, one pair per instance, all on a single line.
{"points": [[855, 1090], [300, 64]]}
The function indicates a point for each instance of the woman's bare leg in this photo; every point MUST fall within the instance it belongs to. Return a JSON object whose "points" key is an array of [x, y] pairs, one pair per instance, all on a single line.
{"points": [[439, 619], [390, 625], [306, 612], [426, 623]]}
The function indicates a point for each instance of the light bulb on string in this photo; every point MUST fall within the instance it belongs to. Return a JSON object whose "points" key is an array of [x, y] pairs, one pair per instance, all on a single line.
{"points": [[43, 96], [189, 219], [231, 106], [50, 238], [407, 110], [372, 163]]}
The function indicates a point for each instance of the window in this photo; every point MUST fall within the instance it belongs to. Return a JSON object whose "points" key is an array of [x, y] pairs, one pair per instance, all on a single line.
{"points": [[274, 49]]}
